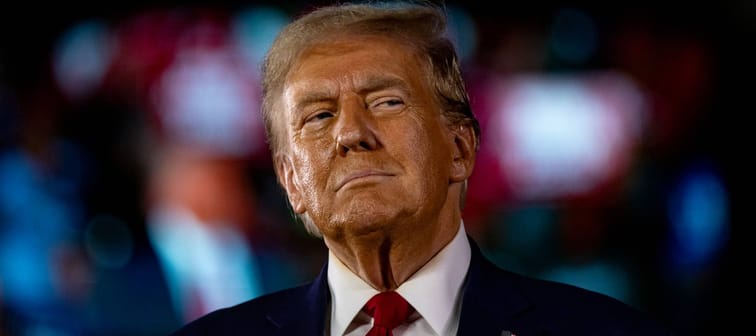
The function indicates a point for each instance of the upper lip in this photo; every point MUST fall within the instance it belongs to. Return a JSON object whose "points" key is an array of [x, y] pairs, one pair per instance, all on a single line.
{"points": [[346, 178]]}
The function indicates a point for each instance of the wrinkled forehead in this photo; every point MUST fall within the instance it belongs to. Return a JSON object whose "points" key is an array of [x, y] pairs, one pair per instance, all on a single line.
{"points": [[349, 61], [400, 50], [360, 38]]}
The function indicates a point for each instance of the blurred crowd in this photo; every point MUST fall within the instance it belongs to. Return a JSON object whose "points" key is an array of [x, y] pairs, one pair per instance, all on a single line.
{"points": [[137, 193]]}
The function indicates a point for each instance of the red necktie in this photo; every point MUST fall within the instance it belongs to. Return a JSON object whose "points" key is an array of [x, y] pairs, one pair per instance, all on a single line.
{"points": [[388, 309]]}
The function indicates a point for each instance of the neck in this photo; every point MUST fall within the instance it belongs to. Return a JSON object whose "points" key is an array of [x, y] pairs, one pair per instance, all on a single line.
{"points": [[385, 259]]}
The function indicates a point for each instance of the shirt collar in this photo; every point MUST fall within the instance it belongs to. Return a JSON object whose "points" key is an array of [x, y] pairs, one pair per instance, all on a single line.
{"points": [[348, 294], [433, 290]]}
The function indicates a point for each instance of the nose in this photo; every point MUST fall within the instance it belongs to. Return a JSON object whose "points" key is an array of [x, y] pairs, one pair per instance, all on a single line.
{"points": [[355, 128]]}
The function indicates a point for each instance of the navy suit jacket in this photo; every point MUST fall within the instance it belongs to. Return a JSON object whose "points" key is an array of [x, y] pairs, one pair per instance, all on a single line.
{"points": [[495, 302]]}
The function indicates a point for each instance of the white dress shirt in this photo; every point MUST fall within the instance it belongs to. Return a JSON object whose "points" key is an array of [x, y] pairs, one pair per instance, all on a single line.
{"points": [[435, 291]]}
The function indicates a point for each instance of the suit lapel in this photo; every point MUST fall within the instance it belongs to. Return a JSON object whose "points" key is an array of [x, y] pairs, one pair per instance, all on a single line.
{"points": [[491, 299]]}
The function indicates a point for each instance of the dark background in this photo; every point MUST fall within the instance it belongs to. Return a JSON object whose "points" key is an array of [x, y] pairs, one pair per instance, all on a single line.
{"points": [[704, 100]]}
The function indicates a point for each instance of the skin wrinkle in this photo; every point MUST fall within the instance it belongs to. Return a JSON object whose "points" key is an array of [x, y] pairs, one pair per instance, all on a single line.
{"points": [[383, 227], [385, 250]]}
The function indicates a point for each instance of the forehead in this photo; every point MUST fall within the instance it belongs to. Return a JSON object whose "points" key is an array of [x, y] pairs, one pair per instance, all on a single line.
{"points": [[349, 61]]}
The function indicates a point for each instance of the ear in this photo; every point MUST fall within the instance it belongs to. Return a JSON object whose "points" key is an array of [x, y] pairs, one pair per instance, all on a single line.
{"points": [[287, 177], [463, 152]]}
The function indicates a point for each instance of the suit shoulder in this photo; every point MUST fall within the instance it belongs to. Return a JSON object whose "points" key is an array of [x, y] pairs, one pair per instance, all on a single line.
{"points": [[545, 291], [582, 306], [249, 315]]}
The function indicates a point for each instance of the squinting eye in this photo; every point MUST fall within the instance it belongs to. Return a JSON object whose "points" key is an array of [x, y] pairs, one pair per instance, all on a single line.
{"points": [[392, 102], [320, 116], [389, 103]]}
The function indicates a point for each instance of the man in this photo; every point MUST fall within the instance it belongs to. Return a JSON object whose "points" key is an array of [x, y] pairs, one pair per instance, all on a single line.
{"points": [[373, 139]]}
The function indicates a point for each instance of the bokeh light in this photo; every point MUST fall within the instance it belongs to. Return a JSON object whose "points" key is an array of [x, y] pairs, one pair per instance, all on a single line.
{"points": [[137, 191]]}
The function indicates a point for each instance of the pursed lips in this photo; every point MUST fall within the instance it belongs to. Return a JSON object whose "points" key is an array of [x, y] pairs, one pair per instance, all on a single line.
{"points": [[359, 175]]}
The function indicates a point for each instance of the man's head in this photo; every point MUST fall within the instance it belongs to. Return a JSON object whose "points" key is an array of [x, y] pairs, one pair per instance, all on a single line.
{"points": [[384, 77]]}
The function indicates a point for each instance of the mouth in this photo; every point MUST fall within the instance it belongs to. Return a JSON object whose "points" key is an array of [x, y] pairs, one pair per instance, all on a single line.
{"points": [[361, 176]]}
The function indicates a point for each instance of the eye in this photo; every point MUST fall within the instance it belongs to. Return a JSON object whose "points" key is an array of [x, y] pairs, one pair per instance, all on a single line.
{"points": [[393, 102], [388, 103], [319, 116]]}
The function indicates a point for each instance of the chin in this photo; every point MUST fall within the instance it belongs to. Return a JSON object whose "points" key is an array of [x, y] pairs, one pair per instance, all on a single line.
{"points": [[363, 222], [368, 211]]}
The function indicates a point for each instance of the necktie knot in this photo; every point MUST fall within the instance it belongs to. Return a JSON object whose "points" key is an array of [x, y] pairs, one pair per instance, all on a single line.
{"points": [[389, 310]]}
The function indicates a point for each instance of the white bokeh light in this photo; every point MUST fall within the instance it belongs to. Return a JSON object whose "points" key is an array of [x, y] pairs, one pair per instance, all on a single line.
{"points": [[564, 135]]}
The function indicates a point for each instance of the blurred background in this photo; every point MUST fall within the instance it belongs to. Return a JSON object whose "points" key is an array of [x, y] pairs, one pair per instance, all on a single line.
{"points": [[137, 193]]}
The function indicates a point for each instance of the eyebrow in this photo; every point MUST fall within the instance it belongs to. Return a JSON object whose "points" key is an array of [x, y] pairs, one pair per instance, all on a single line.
{"points": [[382, 82], [313, 97], [365, 86]]}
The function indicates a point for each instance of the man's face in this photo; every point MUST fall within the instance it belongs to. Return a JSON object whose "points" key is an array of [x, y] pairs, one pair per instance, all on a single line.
{"points": [[365, 145]]}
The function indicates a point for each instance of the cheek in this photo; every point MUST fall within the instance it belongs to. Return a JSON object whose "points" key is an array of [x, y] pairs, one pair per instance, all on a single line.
{"points": [[311, 166], [426, 187], [430, 144], [313, 171]]}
